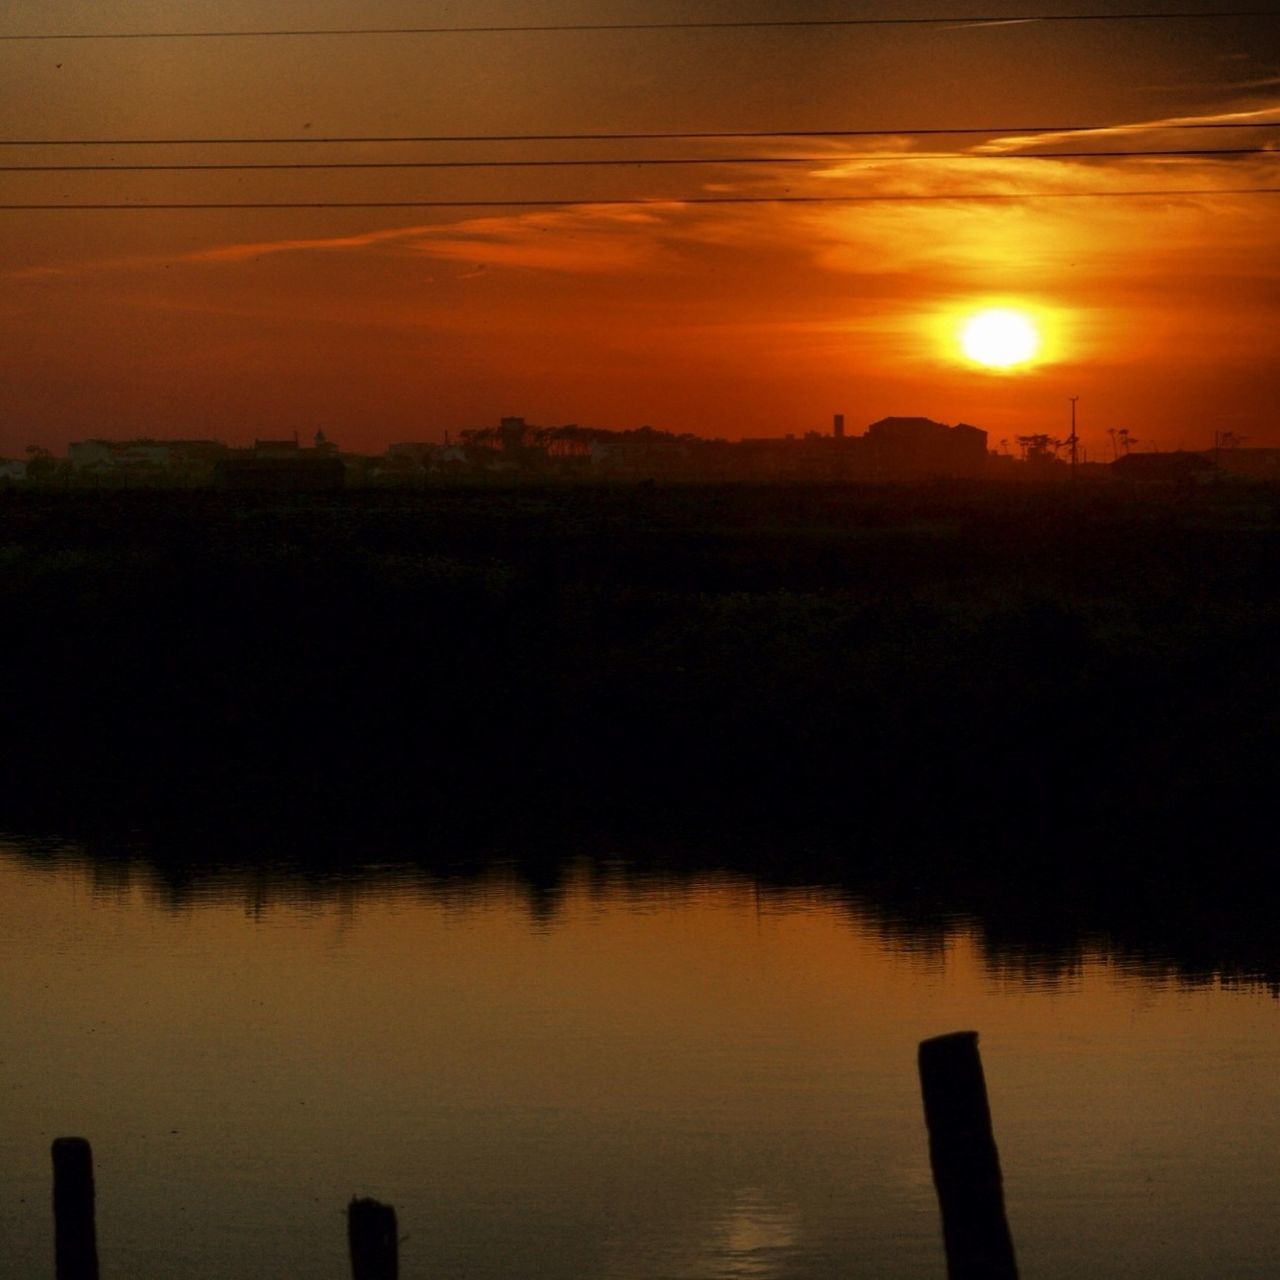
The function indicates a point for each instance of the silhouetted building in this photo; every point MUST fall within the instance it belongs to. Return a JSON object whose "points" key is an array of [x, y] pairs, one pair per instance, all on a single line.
{"points": [[410, 461], [145, 461], [1247, 464], [280, 466], [644, 454], [907, 448], [512, 432], [1178, 467], [809, 459], [276, 448]]}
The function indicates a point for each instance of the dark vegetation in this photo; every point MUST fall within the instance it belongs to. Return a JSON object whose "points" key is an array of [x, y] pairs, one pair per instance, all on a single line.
{"points": [[1055, 709]]}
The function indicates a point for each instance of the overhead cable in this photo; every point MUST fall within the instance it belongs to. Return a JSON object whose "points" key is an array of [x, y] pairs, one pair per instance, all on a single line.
{"points": [[614, 162], [551, 28], [653, 136], [656, 202]]}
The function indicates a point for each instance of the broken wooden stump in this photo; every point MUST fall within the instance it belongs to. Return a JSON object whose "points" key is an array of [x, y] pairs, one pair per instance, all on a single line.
{"points": [[371, 1233], [966, 1164], [74, 1233]]}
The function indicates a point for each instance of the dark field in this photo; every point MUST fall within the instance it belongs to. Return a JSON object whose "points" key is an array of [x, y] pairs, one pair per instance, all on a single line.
{"points": [[1057, 709]]}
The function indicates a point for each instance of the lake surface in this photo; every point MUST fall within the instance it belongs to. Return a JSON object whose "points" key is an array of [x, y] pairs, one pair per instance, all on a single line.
{"points": [[629, 1078]]}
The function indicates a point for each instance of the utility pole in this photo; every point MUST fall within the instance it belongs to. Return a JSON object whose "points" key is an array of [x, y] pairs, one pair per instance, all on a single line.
{"points": [[1073, 435]]}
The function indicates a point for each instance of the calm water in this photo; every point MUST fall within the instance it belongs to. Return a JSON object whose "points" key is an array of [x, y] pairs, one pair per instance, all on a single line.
{"points": [[637, 1081]]}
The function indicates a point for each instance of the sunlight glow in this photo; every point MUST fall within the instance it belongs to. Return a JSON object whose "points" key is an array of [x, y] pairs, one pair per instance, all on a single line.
{"points": [[999, 338]]}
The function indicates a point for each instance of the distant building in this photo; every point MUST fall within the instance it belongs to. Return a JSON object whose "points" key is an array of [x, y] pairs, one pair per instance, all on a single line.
{"points": [[1247, 464], [640, 455], [807, 459], [280, 466], [276, 448], [410, 458], [408, 461], [1177, 467], [910, 448], [145, 461]]}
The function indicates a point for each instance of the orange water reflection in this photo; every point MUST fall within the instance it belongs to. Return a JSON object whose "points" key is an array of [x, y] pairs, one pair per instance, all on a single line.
{"points": [[609, 1076]]}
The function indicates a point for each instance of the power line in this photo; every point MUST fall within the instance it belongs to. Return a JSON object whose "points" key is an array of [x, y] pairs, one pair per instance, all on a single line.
{"points": [[671, 136], [640, 161], [550, 28], [665, 201]]}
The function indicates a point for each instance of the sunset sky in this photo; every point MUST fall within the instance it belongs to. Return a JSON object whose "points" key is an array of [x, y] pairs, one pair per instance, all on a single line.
{"points": [[1161, 312]]}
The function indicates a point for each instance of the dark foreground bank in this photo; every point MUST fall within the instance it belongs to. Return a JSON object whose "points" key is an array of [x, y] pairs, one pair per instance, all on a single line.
{"points": [[946, 692], [975, 664]]}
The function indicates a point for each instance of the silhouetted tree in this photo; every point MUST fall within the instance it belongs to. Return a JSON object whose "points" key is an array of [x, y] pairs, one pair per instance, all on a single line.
{"points": [[42, 466]]}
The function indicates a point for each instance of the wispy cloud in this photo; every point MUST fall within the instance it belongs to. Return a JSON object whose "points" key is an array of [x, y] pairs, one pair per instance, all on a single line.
{"points": [[991, 22], [784, 268], [252, 250], [590, 239], [1160, 132]]}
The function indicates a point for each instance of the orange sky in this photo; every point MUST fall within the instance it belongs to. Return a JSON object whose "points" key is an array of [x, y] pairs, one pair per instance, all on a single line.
{"points": [[758, 319]]}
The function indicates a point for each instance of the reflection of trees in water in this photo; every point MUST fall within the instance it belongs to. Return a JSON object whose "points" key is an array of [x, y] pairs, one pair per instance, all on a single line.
{"points": [[1029, 930]]}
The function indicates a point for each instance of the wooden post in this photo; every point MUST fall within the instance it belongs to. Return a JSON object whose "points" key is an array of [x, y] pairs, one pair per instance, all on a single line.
{"points": [[75, 1240], [966, 1165], [371, 1233]]}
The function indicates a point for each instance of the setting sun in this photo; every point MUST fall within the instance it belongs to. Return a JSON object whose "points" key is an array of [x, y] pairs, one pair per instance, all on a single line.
{"points": [[999, 338]]}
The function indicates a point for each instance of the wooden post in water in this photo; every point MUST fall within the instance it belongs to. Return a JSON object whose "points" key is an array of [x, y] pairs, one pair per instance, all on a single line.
{"points": [[371, 1233], [966, 1164], [74, 1236]]}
